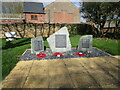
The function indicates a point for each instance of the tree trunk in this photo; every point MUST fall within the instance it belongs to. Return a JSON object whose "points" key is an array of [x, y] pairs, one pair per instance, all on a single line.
{"points": [[8, 26], [24, 29], [43, 30], [54, 28], [16, 28], [107, 29], [40, 29], [49, 30], [35, 27], [4, 28]]}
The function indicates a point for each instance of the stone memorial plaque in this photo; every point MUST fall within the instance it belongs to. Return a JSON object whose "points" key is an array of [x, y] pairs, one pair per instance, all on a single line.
{"points": [[60, 41], [85, 43], [37, 45]]}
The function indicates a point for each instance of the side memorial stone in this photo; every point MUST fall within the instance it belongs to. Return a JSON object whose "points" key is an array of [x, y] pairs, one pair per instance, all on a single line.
{"points": [[37, 45]]}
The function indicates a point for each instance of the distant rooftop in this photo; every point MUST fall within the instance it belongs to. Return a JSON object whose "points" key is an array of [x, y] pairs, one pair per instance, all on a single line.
{"points": [[33, 7]]}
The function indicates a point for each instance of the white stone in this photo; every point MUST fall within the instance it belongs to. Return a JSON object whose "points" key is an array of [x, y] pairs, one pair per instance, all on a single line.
{"points": [[10, 34], [64, 45], [58, 55], [80, 53], [10, 39]]}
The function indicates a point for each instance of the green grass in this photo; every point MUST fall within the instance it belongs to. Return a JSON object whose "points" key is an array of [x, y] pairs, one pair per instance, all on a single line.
{"points": [[9, 55], [108, 45], [17, 47], [105, 44], [74, 40]]}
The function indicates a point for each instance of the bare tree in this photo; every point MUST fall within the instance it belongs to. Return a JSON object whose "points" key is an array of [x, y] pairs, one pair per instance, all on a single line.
{"points": [[20, 28], [12, 7]]}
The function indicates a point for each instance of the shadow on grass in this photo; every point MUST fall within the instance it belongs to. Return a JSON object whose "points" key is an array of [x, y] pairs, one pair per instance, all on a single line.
{"points": [[20, 43]]}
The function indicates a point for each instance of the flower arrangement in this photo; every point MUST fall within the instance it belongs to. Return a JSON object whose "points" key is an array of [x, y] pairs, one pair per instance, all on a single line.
{"points": [[41, 55], [58, 54], [80, 54]]}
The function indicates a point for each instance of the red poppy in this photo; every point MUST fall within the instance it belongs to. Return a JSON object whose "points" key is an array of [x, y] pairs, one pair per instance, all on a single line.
{"points": [[77, 53], [41, 55], [80, 54], [56, 54]]}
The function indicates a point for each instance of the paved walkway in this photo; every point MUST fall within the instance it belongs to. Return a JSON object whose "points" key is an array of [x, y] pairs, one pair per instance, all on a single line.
{"points": [[98, 72]]}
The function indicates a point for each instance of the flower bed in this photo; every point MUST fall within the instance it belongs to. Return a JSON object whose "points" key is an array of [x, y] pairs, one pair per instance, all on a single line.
{"points": [[71, 54]]}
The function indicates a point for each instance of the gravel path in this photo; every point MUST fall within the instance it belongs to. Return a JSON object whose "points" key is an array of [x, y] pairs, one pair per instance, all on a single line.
{"points": [[27, 55]]}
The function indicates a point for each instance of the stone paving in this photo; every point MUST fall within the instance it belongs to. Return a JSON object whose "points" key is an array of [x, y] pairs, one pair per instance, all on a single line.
{"points": [[97, 72]]}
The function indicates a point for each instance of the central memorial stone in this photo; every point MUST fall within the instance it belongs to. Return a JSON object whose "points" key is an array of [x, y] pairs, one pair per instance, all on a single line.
{"points": [[59, 41]]}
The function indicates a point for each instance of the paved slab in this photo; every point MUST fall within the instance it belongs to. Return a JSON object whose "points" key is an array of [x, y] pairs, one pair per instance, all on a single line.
{"points": [[118, 57], [18, 75], [98, 72]]}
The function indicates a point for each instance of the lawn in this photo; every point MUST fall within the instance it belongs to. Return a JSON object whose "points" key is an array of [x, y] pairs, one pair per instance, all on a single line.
{"points": [[12, 50]]}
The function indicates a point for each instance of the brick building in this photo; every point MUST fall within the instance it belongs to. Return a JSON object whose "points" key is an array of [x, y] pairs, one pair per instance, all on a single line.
{"points": [[34, 12], [62, 12]]}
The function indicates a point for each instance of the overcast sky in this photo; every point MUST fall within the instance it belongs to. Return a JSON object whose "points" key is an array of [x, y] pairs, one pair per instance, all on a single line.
{"points": [[46, 2]]}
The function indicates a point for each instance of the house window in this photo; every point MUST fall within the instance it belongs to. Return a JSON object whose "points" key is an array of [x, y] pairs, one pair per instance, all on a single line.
{"points": [[34, 17]]}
